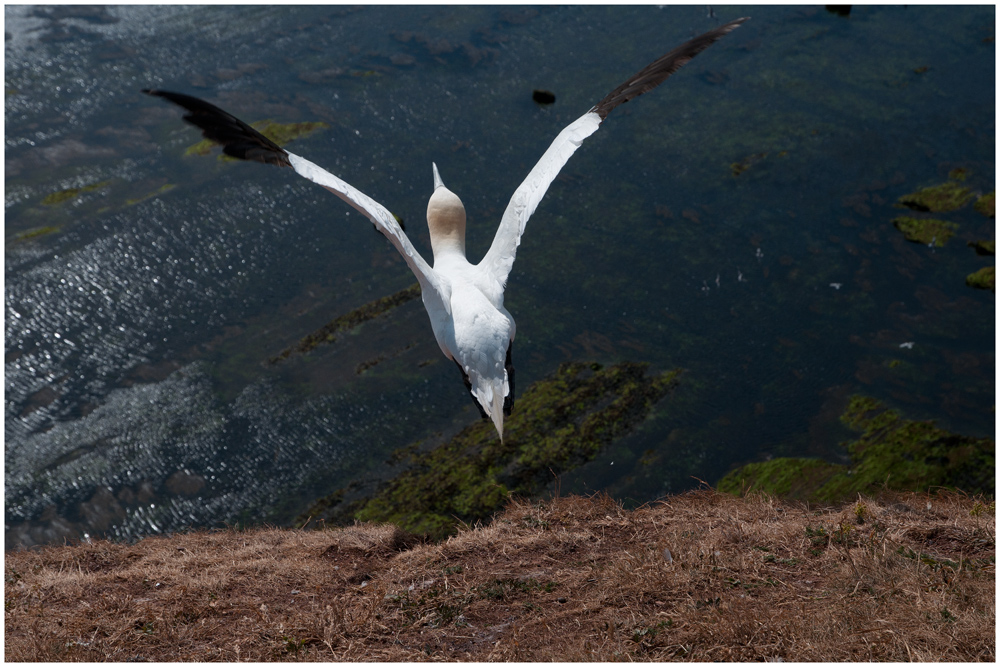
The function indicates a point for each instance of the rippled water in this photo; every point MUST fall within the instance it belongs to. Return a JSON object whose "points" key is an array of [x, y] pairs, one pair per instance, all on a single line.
{"points": [[143, 303]]}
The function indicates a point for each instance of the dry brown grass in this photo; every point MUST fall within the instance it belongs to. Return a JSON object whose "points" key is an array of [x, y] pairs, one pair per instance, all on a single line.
{"points": [[905, 577]]}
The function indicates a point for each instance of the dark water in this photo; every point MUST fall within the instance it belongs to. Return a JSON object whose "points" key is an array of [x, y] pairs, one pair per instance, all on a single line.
{"points": [[142, 307]]}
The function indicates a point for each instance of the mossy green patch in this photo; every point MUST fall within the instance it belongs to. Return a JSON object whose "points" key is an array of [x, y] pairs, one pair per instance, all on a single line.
{"points": [[203, 147], [33, 234], [57, 198], [796, 479], [942, 198], [283, 133], [329, 332], [560, 422], [279, 133], [987, 204], [149, 195], [738, 168], [891, 453], [925, 230], [984, 278], [983, 247]]}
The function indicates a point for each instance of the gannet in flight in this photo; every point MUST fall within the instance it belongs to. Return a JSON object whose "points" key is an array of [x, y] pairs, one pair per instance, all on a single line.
{"points": [[464, 301]]}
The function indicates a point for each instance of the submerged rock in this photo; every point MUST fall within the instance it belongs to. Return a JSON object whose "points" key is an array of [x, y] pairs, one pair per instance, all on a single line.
{"points": [[283, 133], [983, 247], [558, 423], [987, 205], [892, 453], [61, 196], [984, 278], [330, 331], [543, 96], [166, 187], [34, 233], [57, 198], [738, 168], [942, 198], [279, 133], [925, 230], [839, 10]]}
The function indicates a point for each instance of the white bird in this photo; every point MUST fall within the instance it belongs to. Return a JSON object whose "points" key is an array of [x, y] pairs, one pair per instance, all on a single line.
{"points": [[463, 300]]}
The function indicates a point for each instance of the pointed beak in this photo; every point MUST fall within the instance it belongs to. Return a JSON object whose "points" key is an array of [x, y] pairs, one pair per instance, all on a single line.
{"points": [[438, 183]]}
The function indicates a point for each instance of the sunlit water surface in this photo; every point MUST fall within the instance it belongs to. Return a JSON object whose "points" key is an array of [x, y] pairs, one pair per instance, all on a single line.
{"points": [[143, 303]]}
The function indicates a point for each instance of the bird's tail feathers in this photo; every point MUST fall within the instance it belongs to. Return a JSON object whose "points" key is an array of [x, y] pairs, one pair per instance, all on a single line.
{"points": [[490, 394], [496, 409]]}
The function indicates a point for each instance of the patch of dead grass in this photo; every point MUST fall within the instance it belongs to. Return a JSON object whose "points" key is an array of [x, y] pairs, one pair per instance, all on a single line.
{"points": [[701, 576]]}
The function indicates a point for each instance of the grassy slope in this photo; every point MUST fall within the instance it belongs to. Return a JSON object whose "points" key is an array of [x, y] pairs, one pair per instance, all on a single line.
{"points": [[904, 577]]}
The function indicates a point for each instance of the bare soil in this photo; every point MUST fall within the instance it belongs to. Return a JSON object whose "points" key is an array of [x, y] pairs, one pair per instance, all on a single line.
{"points": [[698, 577]]}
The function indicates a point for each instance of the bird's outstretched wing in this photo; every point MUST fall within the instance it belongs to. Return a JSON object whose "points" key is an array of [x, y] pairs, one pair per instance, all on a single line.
{"points": [[500, 257], [239, 140]]}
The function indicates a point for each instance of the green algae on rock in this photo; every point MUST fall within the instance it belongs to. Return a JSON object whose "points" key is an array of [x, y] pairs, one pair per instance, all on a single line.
{"points": [[283, 133], [984, 278], [942, 198], [983, 247], [30, 234], [203, 147], [925, 230], [279, 133], [738, 168], [329, 332], [986, 204], [891, 453], [57, 198], [557, 424], [167, 187], [794, 479]]}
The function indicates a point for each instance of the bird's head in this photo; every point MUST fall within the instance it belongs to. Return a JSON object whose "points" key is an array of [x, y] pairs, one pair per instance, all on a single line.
{"points": [[445, 219]]}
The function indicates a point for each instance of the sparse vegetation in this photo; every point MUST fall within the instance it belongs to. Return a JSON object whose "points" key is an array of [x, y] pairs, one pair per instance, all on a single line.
{"points": [[702, 576]]}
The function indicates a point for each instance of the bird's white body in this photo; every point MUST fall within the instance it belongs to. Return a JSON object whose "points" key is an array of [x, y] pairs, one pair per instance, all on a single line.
{"points": [[464, 301], [476, 335], [471, 326]]}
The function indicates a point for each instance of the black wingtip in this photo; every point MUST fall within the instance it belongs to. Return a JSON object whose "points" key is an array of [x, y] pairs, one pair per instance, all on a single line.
{"points": [[237, 139], [658, 71]]}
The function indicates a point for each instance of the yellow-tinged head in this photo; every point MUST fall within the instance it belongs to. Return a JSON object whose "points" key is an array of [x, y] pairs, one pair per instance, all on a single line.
{"points": [[445, 219]]}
